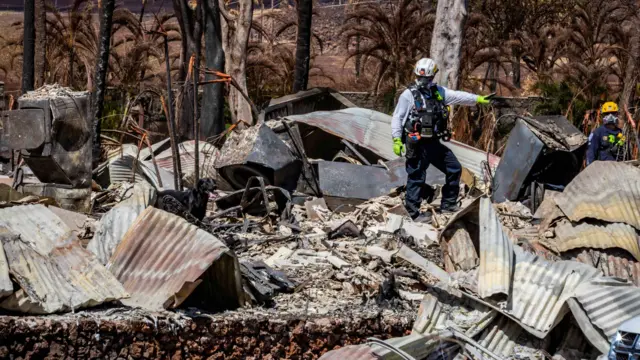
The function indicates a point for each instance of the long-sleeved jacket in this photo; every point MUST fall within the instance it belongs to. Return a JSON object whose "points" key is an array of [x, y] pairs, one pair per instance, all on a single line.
{"points": [[406, 104], [603, 144]]}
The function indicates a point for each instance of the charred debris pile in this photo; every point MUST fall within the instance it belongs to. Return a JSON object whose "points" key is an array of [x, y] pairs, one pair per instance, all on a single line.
{"points": [[303, 217]]}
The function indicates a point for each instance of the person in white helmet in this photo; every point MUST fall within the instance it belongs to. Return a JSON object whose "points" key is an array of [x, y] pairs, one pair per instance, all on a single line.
{"points": [[419, 123]]}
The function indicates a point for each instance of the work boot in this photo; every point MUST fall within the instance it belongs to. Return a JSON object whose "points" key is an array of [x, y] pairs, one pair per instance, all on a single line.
{"points": [[449, 209], [424, 217]]}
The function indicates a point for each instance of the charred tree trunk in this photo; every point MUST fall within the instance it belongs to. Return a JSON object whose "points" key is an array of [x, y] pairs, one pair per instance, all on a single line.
{"points": [[236, 30], [212, 120], [303, 45], [41, 43], [102, 67], [446, 40], [190, 21], [29, 43]]}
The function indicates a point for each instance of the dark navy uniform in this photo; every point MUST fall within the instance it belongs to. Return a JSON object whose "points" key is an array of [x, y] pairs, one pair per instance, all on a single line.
{"points": [[605, 145]]}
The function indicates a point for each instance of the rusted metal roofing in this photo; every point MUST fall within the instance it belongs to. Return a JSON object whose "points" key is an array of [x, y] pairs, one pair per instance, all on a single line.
{"points": [[121, 170], [585, 235], [433, 317], [608, 302], [372, 130], [496, 253], [459, 253], [114, 224], [605, 190], [37, 226], [615, 265], [55, 278], [162, 257]]}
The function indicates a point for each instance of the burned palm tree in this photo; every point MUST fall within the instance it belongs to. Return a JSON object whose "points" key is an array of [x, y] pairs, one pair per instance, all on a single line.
{"points": [[303, 45], [392, 37], [29, 46]]}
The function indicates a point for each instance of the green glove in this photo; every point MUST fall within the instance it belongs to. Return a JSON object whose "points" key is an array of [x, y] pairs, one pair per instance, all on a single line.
{"points": [[398, 146], [482, 100]]}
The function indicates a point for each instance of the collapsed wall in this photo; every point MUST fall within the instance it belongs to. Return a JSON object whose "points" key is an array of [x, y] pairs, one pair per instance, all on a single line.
{"points": [[151, 336]]}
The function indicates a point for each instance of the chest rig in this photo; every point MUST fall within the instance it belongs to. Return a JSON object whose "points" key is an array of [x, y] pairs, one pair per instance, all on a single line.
{"points": [[429, 117]]}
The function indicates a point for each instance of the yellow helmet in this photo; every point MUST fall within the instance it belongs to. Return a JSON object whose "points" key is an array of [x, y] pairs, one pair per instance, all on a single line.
{"points": [[609, 107]]}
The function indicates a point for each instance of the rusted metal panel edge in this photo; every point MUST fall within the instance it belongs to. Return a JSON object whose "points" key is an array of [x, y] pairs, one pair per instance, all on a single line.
{"points": [[618, 201], [496, 253], [586, 235], [6, 286], [161, 258]]}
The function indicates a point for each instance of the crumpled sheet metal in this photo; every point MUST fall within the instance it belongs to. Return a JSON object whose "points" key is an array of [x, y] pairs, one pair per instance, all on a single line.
{"points": [[605, 190], [496, 253], [370, 129], [541, 288], [500, 337], [65, 278], [361, 352], [37, 226], [116, 222], [613, 265], [161, 258], [459, 253], [433, 317], [586, 235], [208, 155], [121, 170], [608, 302]]}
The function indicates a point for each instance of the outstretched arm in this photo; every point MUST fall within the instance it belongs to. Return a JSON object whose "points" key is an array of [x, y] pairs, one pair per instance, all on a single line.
{"points": [[456, 97]]}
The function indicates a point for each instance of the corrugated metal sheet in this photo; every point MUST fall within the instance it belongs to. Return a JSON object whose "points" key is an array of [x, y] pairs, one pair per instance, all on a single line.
{"points": [[54, 279], [459, 253], [37, 226], [115, 223], [121, 170], [608, 303], [501, 336], [208, 154], [372, 130], [610, 263], [6, 286], [161, 258], [585, 235], [363, 352], [541, 288], [605, 190], [434, 317], [496, 253]]}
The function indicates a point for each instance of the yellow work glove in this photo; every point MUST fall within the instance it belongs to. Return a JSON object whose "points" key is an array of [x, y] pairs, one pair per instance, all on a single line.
{"points": [[398, 146], [482, 100]]}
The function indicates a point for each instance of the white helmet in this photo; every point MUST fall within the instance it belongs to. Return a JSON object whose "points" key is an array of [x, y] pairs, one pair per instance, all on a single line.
{"points": [[426, 67]]}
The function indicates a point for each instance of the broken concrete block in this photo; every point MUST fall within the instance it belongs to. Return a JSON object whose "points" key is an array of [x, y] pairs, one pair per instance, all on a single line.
{"points": [[283, 253], [337, 262], [394, 222], [312, 206], [424, 234]]}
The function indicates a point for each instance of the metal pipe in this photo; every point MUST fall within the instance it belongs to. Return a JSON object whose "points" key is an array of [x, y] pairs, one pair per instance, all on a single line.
{"points": [[177, 171], [356, 152]]}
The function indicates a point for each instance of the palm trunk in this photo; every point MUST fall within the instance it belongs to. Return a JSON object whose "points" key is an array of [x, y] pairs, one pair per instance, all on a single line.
{"points": [[102, 67], [41, 43], [515, 69], [211, 117], [446, 41], [29, 43], [303, 45], [631, 72]]}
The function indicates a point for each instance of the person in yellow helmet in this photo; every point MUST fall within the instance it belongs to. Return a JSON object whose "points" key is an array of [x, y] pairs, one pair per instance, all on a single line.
{"points": [[606, 143]]}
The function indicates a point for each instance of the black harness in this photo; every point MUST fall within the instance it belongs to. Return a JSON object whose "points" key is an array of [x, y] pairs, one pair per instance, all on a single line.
{"points": [[430, 116]]}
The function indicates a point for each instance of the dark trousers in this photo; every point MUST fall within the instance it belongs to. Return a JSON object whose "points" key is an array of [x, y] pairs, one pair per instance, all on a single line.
{"points": [[431, 152]]}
